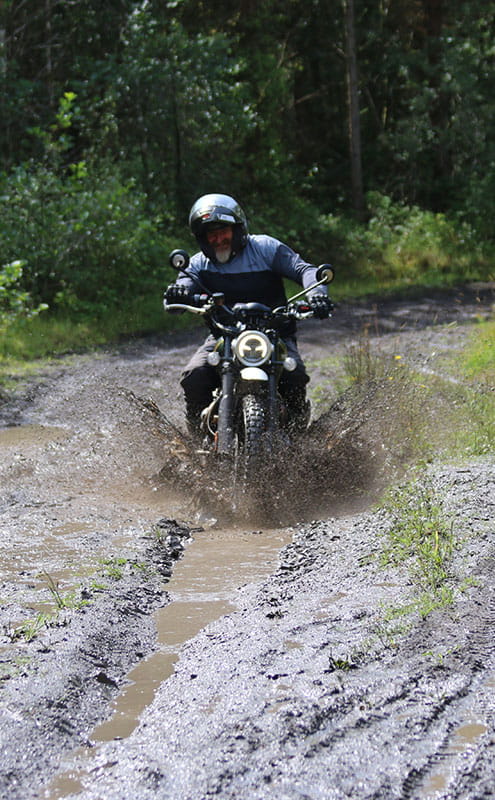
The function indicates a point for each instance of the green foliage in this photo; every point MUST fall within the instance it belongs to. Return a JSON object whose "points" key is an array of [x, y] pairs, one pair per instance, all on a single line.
{"points": [[404, 245], [467, 412], [462, 402], [420, 536], [479, 357], [65, 331], [84, 234], [85, 238], [474, 431], [15, 303], [63, 601], [172, 95], [116, 117], [113, 567], [187, 97], [426, 68], [420, 533], [57, 139], [30, 628]]}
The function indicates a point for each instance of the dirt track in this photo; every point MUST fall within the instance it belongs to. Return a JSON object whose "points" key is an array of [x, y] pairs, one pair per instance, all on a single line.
{"points": [[298, 690]]}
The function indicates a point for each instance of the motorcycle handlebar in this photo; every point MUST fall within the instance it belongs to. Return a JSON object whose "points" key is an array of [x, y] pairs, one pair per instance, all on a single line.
{"points": [[205, 303], [287, 312], [183, 307]]}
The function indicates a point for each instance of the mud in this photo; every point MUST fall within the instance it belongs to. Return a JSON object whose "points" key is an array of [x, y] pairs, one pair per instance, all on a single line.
{"points": [[297, 694], [300, 689]]}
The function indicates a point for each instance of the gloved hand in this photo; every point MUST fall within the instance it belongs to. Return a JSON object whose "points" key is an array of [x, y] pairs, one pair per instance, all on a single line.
{"points": [[175, 293], [320, 305]]}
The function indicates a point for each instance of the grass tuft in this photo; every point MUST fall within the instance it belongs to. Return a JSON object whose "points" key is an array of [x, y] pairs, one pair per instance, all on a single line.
{"points": [[421, 533]]}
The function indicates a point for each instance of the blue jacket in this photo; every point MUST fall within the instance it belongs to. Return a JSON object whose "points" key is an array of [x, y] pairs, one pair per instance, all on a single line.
{"points": [[255, 274]]}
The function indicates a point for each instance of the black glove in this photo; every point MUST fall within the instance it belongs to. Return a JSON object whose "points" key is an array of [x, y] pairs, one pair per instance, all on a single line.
{"points": [[320, 305], [175, 293]]}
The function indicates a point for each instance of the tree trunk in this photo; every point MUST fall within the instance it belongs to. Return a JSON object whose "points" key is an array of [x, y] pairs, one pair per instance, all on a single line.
{"points": [[354, 125], [3, 53], [48, 51]]}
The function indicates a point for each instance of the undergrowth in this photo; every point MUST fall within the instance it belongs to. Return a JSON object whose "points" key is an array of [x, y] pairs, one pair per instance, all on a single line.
{"points": [[421, 534], [420, 419], [477, 435], [467, 398], [110, 284], [422, 537], [55, 334], [402, 246]]}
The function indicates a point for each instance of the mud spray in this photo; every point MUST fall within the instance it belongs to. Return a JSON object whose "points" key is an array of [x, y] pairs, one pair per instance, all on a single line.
{"points": [[339, 464]]}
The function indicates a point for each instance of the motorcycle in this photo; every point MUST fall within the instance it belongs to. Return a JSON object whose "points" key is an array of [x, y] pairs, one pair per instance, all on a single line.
{"points": [[246, 423]]}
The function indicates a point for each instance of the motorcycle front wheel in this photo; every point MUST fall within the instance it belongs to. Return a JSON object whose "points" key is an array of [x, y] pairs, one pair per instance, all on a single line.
{"points": [[251, 444]]}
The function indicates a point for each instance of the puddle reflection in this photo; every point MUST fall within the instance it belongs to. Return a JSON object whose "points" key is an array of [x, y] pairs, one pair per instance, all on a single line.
{"points": [[202, 589]]}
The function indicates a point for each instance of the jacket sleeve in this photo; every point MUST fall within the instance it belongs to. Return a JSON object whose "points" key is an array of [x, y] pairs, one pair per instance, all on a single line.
{"points": [[290, 264]]}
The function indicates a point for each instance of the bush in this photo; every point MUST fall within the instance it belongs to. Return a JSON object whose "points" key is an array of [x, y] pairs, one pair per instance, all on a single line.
{"points": [[405, 245], [14, 302], [85, 237]]}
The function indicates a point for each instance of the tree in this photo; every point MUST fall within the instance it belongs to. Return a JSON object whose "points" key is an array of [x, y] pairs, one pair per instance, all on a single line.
{"points": [[261, 98], [354, 123]]}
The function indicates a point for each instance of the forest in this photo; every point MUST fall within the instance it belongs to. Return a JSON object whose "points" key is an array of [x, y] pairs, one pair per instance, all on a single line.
{"points": [[360, 133]]}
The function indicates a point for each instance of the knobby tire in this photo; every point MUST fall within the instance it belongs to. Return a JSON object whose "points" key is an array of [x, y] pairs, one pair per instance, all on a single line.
{"points": [[253, 417]]}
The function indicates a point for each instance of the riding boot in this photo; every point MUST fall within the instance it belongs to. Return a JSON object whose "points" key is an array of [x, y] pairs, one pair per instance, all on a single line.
{"points": [[193, 419], [298, 410]]}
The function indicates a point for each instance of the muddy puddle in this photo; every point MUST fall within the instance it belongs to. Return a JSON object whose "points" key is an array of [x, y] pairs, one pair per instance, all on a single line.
{"points": [[203, 588], [464, 738], [31, 436]]}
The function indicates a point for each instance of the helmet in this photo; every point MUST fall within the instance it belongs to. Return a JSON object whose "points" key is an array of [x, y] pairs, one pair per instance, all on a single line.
{"points": [[218, 208]]}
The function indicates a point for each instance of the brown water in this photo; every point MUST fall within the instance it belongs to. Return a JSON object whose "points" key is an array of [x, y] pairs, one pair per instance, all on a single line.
{"points": [[202, 589], [31, 436]]}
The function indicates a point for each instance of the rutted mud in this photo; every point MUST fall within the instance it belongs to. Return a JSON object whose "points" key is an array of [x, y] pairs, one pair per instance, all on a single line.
{"points": [[298, 690], [200, 591]]}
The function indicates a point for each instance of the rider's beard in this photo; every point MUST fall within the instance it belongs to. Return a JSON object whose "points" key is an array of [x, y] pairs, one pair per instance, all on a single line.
{"points": [[222, 254]]}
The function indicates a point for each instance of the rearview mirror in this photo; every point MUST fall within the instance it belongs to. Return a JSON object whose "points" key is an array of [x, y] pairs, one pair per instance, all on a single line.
{"points": [[179, 260], [325, 274]]}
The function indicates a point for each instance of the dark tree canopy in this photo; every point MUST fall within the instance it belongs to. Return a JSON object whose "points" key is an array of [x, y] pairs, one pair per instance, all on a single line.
{"points": [[188, 95], [299, 109]]}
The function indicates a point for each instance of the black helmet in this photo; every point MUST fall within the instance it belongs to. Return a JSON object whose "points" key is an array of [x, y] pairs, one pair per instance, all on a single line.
{"points": [[217, 209]]}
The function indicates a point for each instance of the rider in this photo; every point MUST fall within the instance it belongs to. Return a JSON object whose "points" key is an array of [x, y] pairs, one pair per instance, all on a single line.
{"points": [[246, 268]]}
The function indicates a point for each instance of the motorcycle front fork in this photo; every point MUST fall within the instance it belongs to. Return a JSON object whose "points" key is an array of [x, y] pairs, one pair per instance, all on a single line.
{"points": [[225, 436], [225, 428]]}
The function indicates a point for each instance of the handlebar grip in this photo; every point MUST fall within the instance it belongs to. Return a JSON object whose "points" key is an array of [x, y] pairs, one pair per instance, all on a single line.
{"points": [[175, 307]]}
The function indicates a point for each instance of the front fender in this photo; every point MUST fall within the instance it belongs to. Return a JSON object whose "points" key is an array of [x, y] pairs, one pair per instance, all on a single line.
{"points": [[253, 374]]}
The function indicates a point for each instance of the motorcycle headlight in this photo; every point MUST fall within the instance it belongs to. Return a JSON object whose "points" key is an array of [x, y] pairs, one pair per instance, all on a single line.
{"points": [[252, 348]]}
